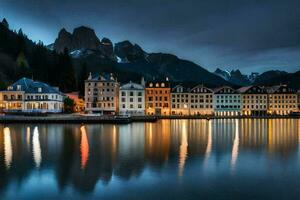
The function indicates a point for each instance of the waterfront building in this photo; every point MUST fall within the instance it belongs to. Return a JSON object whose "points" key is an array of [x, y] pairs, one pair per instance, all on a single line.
{"points": [[102, 94], [180, 104], [78, 102], [158, 98], [298, 97], [27, 95], [282, 100], [201, 100], [254, 101], [226, 101], [132, 98]]}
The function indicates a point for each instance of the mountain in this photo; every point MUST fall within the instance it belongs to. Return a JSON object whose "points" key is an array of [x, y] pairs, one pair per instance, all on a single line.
{"points": [[129, 58], [234, 77], [81, 38], [268, 78], [276, 77]]}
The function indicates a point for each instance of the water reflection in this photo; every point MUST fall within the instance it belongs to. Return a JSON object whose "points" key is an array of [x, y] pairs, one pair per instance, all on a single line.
{"points": [[8, 153], [183, 148], [209, 142], [36, 148], [235, 147], [84, 147], [84, 157]]}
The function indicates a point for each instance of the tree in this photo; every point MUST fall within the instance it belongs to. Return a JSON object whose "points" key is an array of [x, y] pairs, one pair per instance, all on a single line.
{"points": [[69, 105], [5, 23], [22, 67], [81, 78], [66, 72]]}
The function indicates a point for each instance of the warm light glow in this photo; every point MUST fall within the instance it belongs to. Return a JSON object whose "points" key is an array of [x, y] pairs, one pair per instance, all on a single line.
{"points": [[37, 152], [8, 153], [209, 141], [28, 138], [84, 147], [183, 148], [235, 148]]}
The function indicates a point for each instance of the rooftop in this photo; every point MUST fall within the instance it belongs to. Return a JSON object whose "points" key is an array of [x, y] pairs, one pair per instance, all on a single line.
{"points": [[30, 86]]}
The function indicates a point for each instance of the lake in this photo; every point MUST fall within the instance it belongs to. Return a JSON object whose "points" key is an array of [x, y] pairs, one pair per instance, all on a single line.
{"points": [[169, 159]]}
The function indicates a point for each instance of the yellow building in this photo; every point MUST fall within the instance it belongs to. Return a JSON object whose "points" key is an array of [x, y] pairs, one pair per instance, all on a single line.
{"points": [[254, 101], [180, 100], [158, 98], [282, 100]]}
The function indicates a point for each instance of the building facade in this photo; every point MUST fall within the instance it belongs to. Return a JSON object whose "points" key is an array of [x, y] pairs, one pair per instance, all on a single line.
{"points": [[254, 101], [201, 101], [158, 98], [102, 94], [132, 99], [27, 95], [298, 96], [180, 104], [282, 100], [226, 102]]}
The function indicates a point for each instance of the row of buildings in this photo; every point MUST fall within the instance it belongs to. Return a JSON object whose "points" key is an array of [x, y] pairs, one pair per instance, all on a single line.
{"points": [[105, 95]]}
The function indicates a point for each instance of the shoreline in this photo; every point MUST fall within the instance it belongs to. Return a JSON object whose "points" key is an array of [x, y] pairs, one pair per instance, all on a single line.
{"points": [[78, 119]]}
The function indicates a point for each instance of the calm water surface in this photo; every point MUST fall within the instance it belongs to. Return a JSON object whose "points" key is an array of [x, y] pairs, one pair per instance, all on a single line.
{"points": [[170, 159]]}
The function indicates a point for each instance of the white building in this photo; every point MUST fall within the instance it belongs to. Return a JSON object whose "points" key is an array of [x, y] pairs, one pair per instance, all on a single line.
{"points": [[27, 95], [132, 99], [227, 102], [201, 101]]}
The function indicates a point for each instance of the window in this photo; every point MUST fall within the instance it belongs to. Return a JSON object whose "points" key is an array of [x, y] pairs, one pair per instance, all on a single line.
{"points": [[131, 94], [39, 89]]}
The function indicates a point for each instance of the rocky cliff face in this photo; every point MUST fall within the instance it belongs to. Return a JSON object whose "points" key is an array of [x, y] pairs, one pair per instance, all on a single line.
{"points": [[129, 52], [82, 38], [107, 48], [233, 76]]}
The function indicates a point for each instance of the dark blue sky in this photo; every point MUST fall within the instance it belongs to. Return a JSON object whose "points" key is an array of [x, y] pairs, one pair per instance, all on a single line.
{"points": [[253, 35]]}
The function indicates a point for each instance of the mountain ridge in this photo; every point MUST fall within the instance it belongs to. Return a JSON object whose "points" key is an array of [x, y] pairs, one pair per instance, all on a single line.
{"points": [[131, 57]]}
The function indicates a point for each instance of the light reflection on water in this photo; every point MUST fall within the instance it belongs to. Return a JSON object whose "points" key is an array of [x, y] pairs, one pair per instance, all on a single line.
{"points": [[192, 158]]}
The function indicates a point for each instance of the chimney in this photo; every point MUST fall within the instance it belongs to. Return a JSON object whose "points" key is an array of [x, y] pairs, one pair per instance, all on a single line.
{"points": [[143, 81], [90, 76]]}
